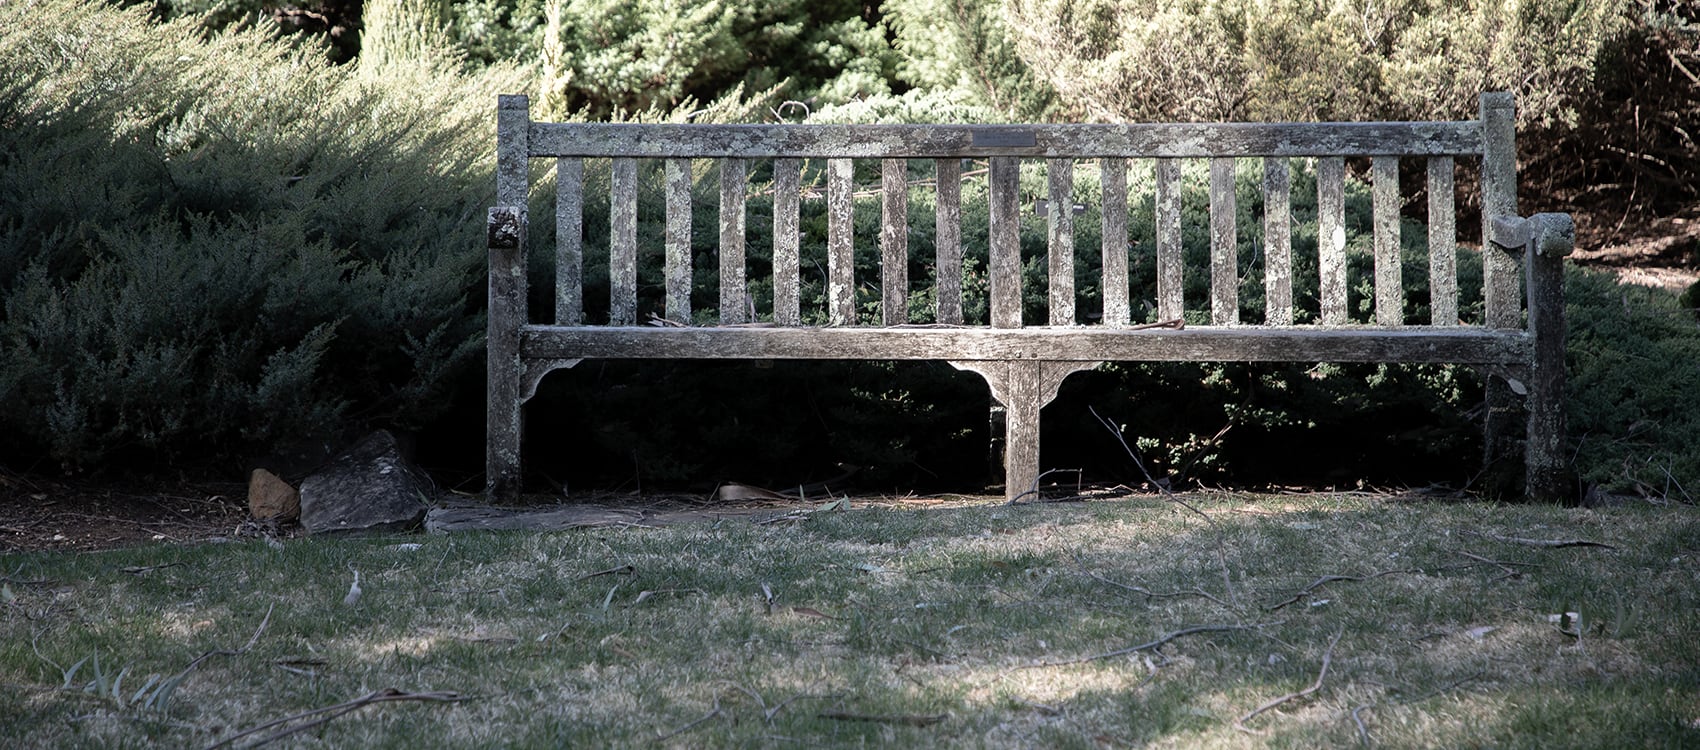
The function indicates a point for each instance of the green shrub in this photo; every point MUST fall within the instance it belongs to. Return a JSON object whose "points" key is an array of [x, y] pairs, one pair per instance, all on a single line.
{"points": [[209, 243], [1633, 375]]}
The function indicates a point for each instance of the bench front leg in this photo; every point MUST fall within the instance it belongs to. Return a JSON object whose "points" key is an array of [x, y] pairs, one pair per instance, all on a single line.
{"points": [[1022, 387]]}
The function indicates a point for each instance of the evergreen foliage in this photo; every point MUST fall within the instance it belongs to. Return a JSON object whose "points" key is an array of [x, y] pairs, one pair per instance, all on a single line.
{"points": [[209, 243]]}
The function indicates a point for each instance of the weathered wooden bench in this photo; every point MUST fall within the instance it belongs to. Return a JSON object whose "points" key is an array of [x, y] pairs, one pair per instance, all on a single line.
{"points": [[1023, 363]]}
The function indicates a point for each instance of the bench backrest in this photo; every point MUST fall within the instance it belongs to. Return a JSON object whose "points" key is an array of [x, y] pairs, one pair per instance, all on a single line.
{"points": [[1489, 140]]}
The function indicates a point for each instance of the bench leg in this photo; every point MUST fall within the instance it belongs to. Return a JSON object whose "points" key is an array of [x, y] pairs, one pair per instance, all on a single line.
{"points": [[1023, 387]]}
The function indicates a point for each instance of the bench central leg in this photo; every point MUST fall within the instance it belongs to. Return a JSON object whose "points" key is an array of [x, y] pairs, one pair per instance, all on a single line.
{"points": [[1023, 387]]}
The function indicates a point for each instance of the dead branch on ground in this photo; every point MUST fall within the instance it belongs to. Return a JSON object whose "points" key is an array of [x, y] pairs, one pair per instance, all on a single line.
{"points": [[906, 720], [1327, 656], [1148, 593], [1325, 580], [1221, 553], [328, 713], [693, 725], [1145, 646], [1547, 543]]}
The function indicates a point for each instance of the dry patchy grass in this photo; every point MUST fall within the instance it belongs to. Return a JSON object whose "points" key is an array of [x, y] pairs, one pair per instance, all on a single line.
{"points": [[985, 626]]}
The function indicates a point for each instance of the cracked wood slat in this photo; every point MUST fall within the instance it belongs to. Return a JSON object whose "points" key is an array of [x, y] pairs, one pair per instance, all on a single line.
{"points": [[1224, 245], [947, 226], [1331, 238], [678, 262], [1060, 239], [894, 241], [1389, 286], [622, 248], [1442, 242], [1113, 177], [569, 241], [840, 242], [1277, 243], [1416, 344], [1184, 140], [787, 235], [1004, 267], [733, 184], [1170, 302]]}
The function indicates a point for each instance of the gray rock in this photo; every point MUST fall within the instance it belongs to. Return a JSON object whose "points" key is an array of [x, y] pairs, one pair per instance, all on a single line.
{"points": [[369, 488]]}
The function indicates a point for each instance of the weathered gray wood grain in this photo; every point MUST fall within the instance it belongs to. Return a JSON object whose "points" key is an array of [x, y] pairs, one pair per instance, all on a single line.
{"points": [[1171, 304], [1023, 388], [677, 268], [622, 250], [1442, 242], [941, 141], [1277, 242], [1113, 180], [894, 241], [569, 241], [1004, 267], [947, 227], [787, 239], [1385, 202], [1547, 455], [1501, 293], [1060, 239], [513, 163], [1224, 245], [1416, 344], [1331, 237], [734, 184], [840, 242]]}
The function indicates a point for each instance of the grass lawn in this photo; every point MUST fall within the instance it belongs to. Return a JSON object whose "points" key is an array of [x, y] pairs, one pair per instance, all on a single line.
{"points": [[1348, 620]]}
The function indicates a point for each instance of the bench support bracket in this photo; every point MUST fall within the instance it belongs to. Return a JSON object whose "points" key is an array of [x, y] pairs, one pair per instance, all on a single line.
{"points": [[1023, 387]]}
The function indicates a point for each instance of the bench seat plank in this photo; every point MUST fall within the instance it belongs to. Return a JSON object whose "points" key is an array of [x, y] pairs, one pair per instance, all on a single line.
{"points": [[1417, 344]]}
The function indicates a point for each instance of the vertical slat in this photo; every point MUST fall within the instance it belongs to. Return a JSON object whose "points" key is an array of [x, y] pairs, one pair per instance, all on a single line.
{"points": [[1331, 237], [840, 242], [1004, 267], [1060, 239], [1113, 177], [1224, 245], [1442, 243], [1501, 295], [1389, 287], [569, 242], [947, 226], [1170, 305], [733, 181], [622, 249], [1277, 243], [678, 269], [894, 241], [786, 234], [504, 395]]}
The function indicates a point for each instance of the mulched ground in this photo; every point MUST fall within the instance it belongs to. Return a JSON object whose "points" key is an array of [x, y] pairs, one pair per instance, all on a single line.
{"points": [[43, 514]]}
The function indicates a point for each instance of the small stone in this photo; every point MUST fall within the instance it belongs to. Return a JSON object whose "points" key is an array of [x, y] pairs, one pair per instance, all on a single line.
{"points": [[271, 497]]}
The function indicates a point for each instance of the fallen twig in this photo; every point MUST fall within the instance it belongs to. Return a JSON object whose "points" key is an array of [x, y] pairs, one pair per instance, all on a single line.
{"points": [[1325, 580], [906, 720], [246, 647], [1503, 565], [693, 725], [1327, 656], [1547, 543], [1363, 731], [1221, 553], [1149, 594], [617, 570], [328, 713], [1144, 646], [1034, 489]]}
